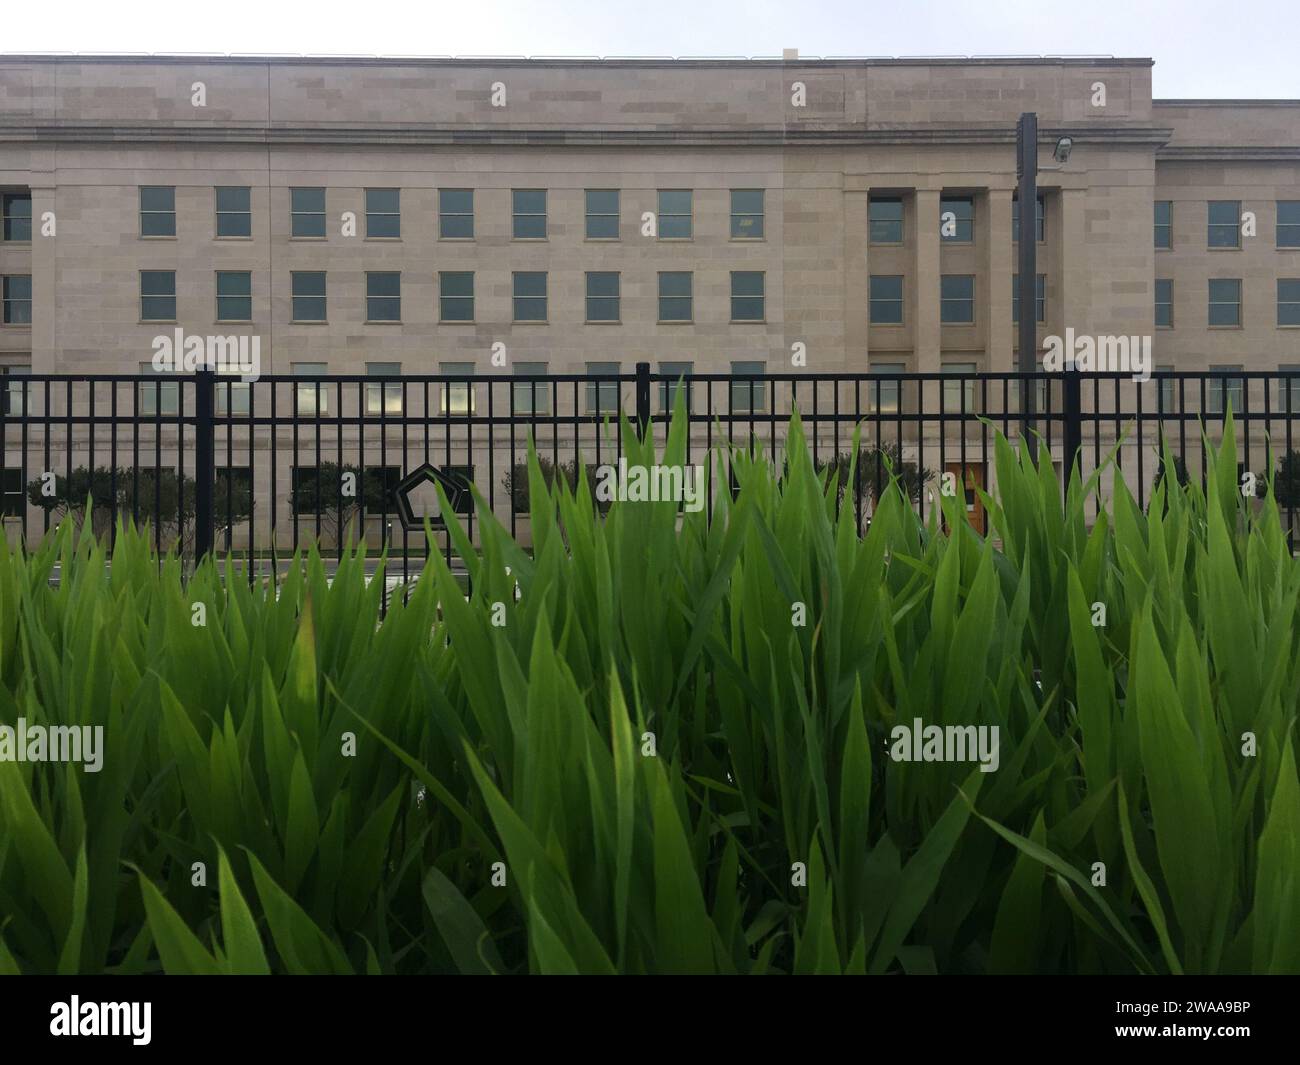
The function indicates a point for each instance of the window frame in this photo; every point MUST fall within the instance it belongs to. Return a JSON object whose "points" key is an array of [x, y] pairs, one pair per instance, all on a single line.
{"points": [[900, 221], [151, 212], [295, 296], [947, 300], [874, 300], [521, 219], [603, 299], [747, 298], [1211, 226], [589, 215], [295, 214], [158, 295], [675, 215], [760, 215], [689, 298], [228, 214], [944, 206], [375, 215], [373, 300], [446, 300], [516, 299], [8, 218], [8, 301], [445, 216], [1167, 225], [247, 274], [1212, 303]]}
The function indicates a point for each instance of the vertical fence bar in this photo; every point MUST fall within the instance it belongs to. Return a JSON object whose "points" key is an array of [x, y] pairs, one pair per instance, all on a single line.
{"points": [[642, 398], [204, 457]]}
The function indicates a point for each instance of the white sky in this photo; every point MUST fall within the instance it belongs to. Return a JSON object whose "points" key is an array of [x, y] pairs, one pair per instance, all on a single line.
{"points": [[1202, 48]]}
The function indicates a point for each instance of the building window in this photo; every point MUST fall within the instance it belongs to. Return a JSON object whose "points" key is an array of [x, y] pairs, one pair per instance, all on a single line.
{"points": [[746, 214], [310, 397], [157, 211], [675, 214], [1288, 223], [1289, 394], [528, 207], [959, 395], [1164, 224], [748, 396], [383, 214], [885, 214], [383, 296], [307, 213], [602, 214], [886, 301], [602, 393], [1224, 220], [1221, 389], [531, 397], [676, 302], [1040, 298], [234, 212], [957, 219], [11, 493], [308, 295], [234, 296], [232, 396], [530, 295], [1167, 385], [14, 390], [1039, 226], [158, 295], [383, 397], [160, 397], [1164, 303], [957, 299], [602, 296], [678, 379], [747, 300], [1225, 301], [885, 394], [456, 214], [1288, 301], [458, 395], [16, 299], [456, 296], [16, 216]]}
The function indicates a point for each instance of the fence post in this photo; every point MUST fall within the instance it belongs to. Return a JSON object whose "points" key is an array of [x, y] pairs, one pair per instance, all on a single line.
{"points": [[642, 398], [1071, 427], [204, 457]]}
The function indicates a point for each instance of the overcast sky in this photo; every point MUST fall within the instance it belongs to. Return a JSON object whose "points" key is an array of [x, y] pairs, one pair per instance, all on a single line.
{"points": [[1202, 48]]}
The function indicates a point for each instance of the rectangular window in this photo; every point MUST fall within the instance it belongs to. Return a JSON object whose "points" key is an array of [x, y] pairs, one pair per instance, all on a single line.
{"points": [[458, 395], [602, 214], [310, 397], [232, 395], [676, 302], [11, 493], [1040, 298], [456, 214], [1039, 222], [528, 208], [234, 296], [603, 393], [886, 301], [884, 395], [456, 296], [16, 299], [1288, 301], [679, 381], [1167, 396], [531, 397], [1225, 301], [383, 296], [957, 219], [15, 390], [747, 300], [959, 395], [530, 295], [1223, 225], [1289, 393], [157, 211], [1288, 223], [16, 216], [1221, 390], [307, 213], [746, 214], [675, 214], [383, 214], [234, 212], [957, 299], [602, 296], [308, 295], [158, 295], [748, 396], [383, 397], [885, 214], [1164, 224], [160, 397], [1164, 303]]}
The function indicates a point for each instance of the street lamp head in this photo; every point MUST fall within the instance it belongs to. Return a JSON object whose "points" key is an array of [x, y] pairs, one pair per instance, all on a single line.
{"points": [[1062, 151]]}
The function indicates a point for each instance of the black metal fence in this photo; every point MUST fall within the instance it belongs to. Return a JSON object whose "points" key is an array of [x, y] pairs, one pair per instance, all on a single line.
{"points": [[257, 468]]}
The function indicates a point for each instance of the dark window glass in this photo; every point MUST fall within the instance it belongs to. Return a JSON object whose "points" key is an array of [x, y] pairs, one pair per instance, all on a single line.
{"points": [[16, 216], [234, 212], [157, 211], [1225, 301], [307, 212], [603, 393], [602, 214], [456, 214], [748, 395], [675, 214], [16, 298], [886, 219], [957, 219], [158, 295], [746, 214], [530, 296], [747, 296], [1039, 224], [886, 299], [456, 296], [1288, 301], [384, 213], [1224, 218], [234, 296], [309, 295], [529, 214], [957, 299], [678, 381], [384, 297], [1164, 224], [675, 296], [1164, 302], [602, 296], [1288, 223]]}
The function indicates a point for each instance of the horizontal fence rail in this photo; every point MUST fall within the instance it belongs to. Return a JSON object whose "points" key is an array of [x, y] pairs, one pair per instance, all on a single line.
{"points": [[258, 468]]}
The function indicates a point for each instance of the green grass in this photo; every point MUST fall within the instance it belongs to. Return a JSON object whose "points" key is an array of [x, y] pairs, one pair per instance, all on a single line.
{"points": [[527, 744]]}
